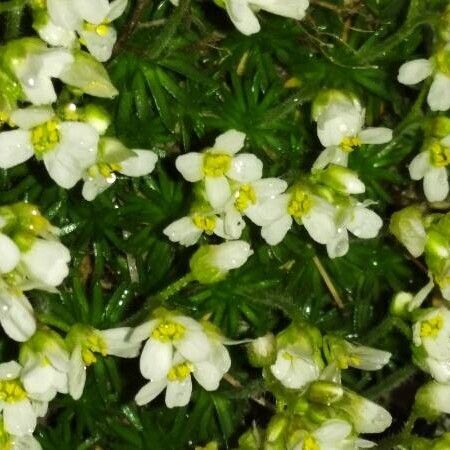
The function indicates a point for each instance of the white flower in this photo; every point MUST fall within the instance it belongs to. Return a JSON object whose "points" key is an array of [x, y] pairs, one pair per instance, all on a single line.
{"points": [[85, 341], [340, 130], [46, 263], [217, 165], [431, 166], [294, 368], [17, 405], [16, 314], [35, 65], [242, 12], [45, 362], [276, 216], [360, 221], [67, 148], [90, 19], [164, 336], [101, 176], [188, 230], [334, 434], [178, 382], [247, 199], [431, 333], [415, 71]]}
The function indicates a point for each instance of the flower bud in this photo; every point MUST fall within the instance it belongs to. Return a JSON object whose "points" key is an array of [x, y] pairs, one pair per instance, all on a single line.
{"points": [[98, 117], [276, 428], [251, 439], [325, 98], [262, 351], [400, 304], [341, 179], [211, 263], [325, 393], [432, 400], [407, 226], [440, 127]]}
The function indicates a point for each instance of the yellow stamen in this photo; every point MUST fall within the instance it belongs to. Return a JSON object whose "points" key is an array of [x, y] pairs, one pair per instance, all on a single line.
{"points": [[344, 361], [349, 144], [439, 155], [169, 331], [310, 444], [45, 137], [88, 357], [216, 165], [101, 29], [205, 223], [179, 372], [245, 197], [432, 327], [12, 391], [300, 203]]}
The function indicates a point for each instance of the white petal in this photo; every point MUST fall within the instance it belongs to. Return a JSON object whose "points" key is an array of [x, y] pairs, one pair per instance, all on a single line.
{"points": [[268, 188], [371, 418], [100, 47], [207, 375], [190, 166], [364, 223], [10, 370], [275, 232], [77, 374], [142, 164], [156, 359], [435, 184], [15, 148], [118, 343], [303, 372], [267, 212], [75, 153], [56, 35], [194, 346], [27, 442], [319, 222], [94, 186], [47, 262], [439, 95], [231, 255], [333, 431], [116, 9], [242, 16], [220, 357], [419, 166], [63, 14], [229, 142], [183, 231], [294, 9], [415, 71], [38, 379], [19, 418], [27, 118], [245, 168], [178, 393], [331, 155], [376, 135], [281, 366], [16, 316], [150, 391], [10, 254], [439, 370], [339, 245], [217, 191], [234, 223], [92, 11], [143, 331]]}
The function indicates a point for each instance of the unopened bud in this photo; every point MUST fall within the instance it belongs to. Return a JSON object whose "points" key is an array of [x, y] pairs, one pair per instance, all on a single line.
{"points": [[262, 351]]}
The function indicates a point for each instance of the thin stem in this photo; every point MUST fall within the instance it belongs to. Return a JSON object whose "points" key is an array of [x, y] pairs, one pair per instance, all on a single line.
{"points": [[327, 280], [175, 287], [50, 320]]}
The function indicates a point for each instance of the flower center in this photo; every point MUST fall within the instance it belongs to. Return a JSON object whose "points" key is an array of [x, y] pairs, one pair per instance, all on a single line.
{"points": [[431, 327], [205, 223], [180, 372], [101, 29], [93, 344], [349, 143], [12, 391], [300, 204], [169, 331], [439, 155], [310, 444], [216, 165], [45, 137], [245, 197]]}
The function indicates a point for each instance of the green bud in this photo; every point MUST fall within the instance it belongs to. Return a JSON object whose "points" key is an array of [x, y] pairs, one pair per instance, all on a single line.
{"points": [[432, 400], [276, 428], [341, 179], [324, 392], [440, 127], [251, 439], [262, 351], [400, 303], [89, 75], [97, 116], [325, 98], [407, 226]]}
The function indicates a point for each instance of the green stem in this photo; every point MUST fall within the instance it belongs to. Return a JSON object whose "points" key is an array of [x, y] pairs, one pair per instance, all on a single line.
{"points": [[50, 320], [12, 5], [175, 287]]}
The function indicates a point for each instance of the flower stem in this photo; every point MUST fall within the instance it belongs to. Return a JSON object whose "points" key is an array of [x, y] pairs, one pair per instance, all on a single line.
{"points": [[50, 320]]}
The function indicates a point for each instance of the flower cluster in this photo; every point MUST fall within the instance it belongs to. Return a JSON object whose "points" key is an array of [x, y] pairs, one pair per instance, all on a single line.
{"points": [[230, 187], [68, 138], [242, 12], [302, 368]]}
